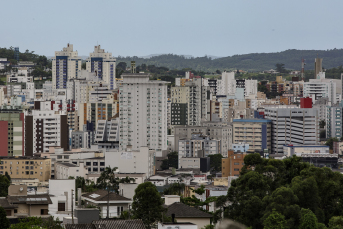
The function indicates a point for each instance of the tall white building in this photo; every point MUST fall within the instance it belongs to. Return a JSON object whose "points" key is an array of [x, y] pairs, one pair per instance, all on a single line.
{"points": [[142, 112], [103, 65], [293, 126], [324, 88], [65, 66], [227, 85]]}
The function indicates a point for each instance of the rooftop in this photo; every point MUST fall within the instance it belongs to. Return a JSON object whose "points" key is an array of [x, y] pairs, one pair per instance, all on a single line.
{"points": [[67, 164], [252, 120], [184, 211], [109, 223], [101, 195], [22, 158], [30, 199]]}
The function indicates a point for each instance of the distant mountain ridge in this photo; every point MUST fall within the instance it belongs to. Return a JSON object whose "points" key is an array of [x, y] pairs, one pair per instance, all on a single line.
{"points": [[248, 62]]}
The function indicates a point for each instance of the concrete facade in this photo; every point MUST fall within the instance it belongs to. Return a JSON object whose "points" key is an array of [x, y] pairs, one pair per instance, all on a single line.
{"points": [[293, 126], [143, 112], [132, 161], [255, 132], [26, 167]]}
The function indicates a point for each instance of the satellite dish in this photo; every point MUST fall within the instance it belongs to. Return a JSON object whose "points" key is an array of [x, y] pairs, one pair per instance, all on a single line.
{"points": [[21, 189]]}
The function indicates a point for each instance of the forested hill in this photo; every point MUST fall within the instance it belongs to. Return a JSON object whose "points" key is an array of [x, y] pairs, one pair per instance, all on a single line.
{"points": [[248, 62]]}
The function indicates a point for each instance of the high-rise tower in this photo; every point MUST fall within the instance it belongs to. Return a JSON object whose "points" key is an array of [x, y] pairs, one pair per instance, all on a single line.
{"points": [[103, 65], [65, 66], [317, 66], [143, 112]]}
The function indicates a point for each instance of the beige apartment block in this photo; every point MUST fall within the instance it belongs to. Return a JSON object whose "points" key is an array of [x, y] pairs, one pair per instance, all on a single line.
{"points": [[26, 167], [255, 132]]}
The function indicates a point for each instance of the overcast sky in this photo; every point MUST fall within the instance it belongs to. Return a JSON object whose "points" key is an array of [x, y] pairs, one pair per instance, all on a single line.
{"points": [[189, 27]]}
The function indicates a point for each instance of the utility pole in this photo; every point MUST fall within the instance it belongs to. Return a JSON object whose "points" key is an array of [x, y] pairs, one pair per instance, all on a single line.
{"points": [[108, 203], [72, 206]]}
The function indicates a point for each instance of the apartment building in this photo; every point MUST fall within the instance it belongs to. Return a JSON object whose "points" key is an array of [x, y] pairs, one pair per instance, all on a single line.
{"points": [[143, 112], [75, 157], [227, 84], [65, 65], [290, 150], [232, 165], [321, 105], [199, 102], [44, 129], [198, 142], [255, 132], [107, 131], [179, 114], [293, 126], [132, 161], [12, 133], [93, 112], [321, 89], [215, 130], [334, 121], [80, 139], [194, 99], [103, 65], [26, 167], [65, 170]]}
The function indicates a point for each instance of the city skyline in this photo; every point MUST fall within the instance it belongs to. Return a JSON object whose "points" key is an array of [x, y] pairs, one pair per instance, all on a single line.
{"points": [[184, 28]]}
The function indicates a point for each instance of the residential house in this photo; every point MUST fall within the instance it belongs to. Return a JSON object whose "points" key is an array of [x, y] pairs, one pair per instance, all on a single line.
{"points": [[99, 198]]}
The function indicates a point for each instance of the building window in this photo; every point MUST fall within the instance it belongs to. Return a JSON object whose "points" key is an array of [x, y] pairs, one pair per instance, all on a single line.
{"points": [[61, 207]]}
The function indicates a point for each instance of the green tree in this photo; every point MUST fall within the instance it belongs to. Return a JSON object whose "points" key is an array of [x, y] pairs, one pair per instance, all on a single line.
{"points": [[4, 222], [4, 184], [308, 220], [262, 88], [83, 65], [336, 222], [330, 142], [280, 68], [147, 204], [284, 201], [37, 223], [216, 162], [275, 221], [8, 176], [171, 161], [209, 226], [175, 189], [322, 123]]}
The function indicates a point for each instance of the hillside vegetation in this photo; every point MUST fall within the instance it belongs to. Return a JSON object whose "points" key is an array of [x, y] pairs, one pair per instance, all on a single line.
{"points": [[248, 62]]}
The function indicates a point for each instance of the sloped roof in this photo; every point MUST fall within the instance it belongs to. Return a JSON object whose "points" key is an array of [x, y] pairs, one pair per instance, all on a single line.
{"points": [[6, 205], [101, 195], [121, 224], [184, 211], [109, 224]]}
